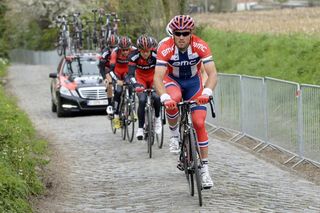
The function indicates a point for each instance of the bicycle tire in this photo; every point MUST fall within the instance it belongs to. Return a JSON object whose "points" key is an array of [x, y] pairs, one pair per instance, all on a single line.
{"points": [[194, 153], [186, 160], [130, 121], [123, 125], [159, 137], [150, 134]]}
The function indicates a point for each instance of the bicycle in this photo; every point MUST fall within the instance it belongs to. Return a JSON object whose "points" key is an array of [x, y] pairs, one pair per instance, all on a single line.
{"points": [[63, 37], [77, 32], [126, 114], [190, 158], [149, 123]]}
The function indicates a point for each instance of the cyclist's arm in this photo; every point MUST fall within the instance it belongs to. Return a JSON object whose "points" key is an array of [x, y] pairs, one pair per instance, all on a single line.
{"points": [[159, 74], [131, 73], [211, 71]]}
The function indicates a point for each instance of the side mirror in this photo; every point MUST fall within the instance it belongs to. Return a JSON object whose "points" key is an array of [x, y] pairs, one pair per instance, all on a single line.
{"points": [[53, 75]]}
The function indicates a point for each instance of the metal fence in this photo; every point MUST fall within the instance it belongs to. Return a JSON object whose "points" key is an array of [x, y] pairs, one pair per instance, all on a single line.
{"points": [[34, 57], [278, 113]]}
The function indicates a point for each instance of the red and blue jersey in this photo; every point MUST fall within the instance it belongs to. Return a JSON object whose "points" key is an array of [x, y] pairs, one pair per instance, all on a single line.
{"points": [[183, 65]]}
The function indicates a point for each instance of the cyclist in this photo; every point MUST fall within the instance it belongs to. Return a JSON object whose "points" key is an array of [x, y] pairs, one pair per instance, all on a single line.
{"points": [[118, 70], [181, 57], [104, 67], [141, 70]]}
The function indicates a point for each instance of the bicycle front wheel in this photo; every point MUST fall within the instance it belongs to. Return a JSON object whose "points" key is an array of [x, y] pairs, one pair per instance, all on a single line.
{"points": [[150, 131], [130, 120], [159, 137], [187, 162], [195, 164]]}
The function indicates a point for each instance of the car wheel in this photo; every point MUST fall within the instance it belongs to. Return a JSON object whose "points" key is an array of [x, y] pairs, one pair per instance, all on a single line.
{"points": [[53, 107], [60, 111]]}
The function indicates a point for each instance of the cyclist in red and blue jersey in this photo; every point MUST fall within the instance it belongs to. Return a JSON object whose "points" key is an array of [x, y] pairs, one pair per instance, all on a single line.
{"points": [[178, 76], [104, 67], [141, 71]]}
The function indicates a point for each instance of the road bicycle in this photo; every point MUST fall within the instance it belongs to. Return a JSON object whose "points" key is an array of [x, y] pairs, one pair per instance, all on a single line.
{"points": [[76, 38], [149, 132], [127, 114], [190, 158], [63, 40]]}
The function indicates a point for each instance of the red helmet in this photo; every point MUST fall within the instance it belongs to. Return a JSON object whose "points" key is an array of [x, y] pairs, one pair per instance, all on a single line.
{"points": [[112, 41], [144, 42], [125, 42], [181, 22]]}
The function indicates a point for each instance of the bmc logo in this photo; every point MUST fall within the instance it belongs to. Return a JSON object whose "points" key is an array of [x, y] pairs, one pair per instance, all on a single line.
{"points": [[166, 51], [184, 63], [200, 46]]}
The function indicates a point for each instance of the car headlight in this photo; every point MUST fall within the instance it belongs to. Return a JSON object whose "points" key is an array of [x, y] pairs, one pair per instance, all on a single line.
{"points": [[65, 91]]}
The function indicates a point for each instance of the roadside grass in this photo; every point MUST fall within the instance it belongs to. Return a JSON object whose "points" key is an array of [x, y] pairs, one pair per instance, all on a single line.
{"points": [[291, 57], [22, 154]]}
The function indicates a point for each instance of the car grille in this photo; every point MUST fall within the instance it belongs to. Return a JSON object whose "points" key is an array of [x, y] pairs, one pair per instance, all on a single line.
{"points": [[95, 93]]}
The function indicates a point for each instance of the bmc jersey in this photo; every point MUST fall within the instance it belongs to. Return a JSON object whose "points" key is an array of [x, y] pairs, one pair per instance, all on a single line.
{"points": [[119, 63], [143, 67], [183, 65], [106, 56]]}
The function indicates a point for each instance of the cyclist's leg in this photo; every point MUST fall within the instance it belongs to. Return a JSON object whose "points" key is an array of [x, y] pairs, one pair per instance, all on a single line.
{"points": [[117, 97], [141, 108], [174, 90], [109, 89]]}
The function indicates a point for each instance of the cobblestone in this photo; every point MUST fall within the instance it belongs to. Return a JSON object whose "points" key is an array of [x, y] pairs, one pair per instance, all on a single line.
{"points": [[98, 172]]}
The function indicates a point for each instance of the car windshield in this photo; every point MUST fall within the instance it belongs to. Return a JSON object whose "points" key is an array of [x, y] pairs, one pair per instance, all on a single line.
{"points": [[88, 67]]}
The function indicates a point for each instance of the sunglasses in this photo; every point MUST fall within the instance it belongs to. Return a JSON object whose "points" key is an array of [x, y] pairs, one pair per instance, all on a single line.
{"points": [[125, 50], [184, 34]]}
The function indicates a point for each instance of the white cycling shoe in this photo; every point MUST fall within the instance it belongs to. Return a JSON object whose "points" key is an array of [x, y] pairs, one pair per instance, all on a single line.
{"points": [[174, 146], [140, 134], [109, 110], [207, 182]]}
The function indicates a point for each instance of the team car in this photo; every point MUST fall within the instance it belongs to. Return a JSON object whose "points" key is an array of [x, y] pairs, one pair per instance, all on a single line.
{"points": [[77, 85]]}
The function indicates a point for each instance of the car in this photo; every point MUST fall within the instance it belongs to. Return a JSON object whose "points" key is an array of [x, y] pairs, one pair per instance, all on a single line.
{"points": [[77, 85]]}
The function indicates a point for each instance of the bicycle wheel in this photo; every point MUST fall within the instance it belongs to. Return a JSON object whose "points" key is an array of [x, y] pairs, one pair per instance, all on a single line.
{"points": [[159, 137], [130, 120], [185, 157], [150, 131], [123, 126], [194, 153]]}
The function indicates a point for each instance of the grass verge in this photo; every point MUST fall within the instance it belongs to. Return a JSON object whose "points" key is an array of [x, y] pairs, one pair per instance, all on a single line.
{"points": [[288, 57], [22, 154]]}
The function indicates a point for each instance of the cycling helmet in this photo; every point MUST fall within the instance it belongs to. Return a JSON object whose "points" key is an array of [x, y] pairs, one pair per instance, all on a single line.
{"points": [[112, 41], [181, 22], [125, 42], [144, 42]]}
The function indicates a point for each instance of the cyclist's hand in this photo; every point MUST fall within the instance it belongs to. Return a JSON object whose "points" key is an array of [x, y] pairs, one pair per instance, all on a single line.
{"points": [[139, 89], [170, 104], [202, 99], [120, 83]]}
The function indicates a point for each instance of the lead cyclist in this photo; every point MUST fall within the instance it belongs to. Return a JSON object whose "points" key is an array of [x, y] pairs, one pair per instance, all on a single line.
{"points": [[178, 76]]}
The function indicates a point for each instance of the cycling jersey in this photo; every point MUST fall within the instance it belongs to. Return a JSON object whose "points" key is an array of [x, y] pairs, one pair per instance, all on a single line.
{"points": [[104, 62], [119, 63], [183, 65], [142, 69]]}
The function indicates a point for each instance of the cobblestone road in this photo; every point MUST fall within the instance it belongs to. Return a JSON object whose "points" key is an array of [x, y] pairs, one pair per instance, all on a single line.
{"points": [[98, 172]]}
